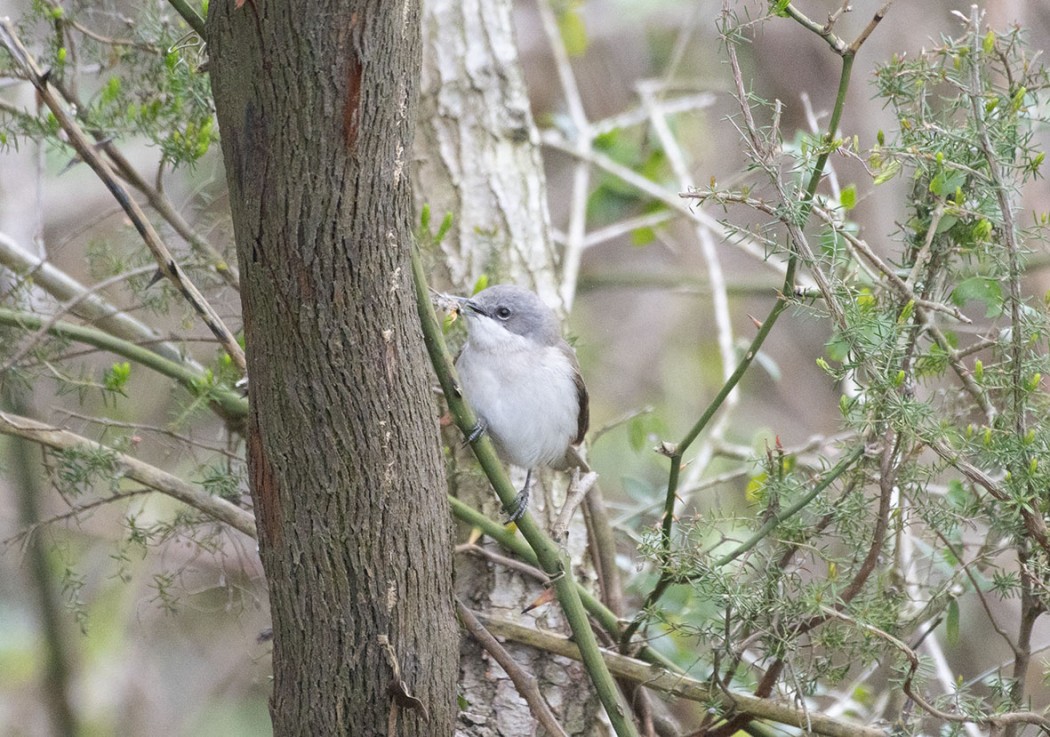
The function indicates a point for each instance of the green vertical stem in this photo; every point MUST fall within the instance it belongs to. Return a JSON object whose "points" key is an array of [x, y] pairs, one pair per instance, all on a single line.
{"points": [[191, 16], [548, 556], [678, 451]]}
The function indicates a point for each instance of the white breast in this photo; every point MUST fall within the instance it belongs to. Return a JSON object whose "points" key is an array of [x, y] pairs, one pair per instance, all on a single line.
{"points": [[526, 397]]}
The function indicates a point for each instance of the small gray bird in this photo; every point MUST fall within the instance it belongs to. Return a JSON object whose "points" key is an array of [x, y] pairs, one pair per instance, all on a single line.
{"points": [[523, 381]]}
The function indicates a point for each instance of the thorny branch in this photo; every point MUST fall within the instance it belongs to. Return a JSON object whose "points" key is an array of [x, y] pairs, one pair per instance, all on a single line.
{"points": [[134, 469], [167, 266]]}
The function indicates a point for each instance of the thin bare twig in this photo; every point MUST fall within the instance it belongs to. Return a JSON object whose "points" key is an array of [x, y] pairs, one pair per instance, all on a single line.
{"points": [[64, 309], [75, 511], [582, 142], [990, 720], [91, 308], [524, 681], [579, 486], [511, 563]]}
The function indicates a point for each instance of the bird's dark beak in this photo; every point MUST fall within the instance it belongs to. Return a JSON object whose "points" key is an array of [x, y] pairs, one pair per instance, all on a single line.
{"points": [[470, 306]]}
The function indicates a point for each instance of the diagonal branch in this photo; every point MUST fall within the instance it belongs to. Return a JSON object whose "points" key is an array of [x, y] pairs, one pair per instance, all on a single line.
{"points": [[132, 468], [550, 558], [191, 16], [85, 303], [228, 403], [167, 265], [658, 679], [524, 681]]}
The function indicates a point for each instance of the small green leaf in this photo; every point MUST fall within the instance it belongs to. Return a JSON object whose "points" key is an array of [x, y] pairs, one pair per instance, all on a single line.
{"points": [[756, 487], [481, 283], [111, 90], [848, 198], [946, 223], [981, 230], [951, 622], [888, 172], [1036, 162], [946, 182], [1017, 101], [980, 289], [988, 46], [906, 312], [957, 494], [573, 32], [838, 348], [642, 236], [117, 376], [844, 405], [444, 228]]}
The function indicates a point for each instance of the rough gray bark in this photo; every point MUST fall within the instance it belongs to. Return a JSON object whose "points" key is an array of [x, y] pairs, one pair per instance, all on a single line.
{"points": [[316, 101]]}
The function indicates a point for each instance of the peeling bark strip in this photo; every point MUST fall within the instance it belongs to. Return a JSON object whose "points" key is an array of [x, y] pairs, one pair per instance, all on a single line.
{"points": [[264, 486], [354, 73], [351, 113]]}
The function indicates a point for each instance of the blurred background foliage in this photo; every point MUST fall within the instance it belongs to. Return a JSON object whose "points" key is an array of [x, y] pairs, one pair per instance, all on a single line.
{"points": [[158, 614]]}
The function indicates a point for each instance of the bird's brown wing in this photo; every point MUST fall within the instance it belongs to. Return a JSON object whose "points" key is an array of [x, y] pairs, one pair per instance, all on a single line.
{"points": [[584, 419]]}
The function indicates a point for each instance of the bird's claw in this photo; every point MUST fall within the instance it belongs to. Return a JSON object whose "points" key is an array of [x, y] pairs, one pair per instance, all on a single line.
{"points": [[521, 501], [476, 432], [520, 506]]}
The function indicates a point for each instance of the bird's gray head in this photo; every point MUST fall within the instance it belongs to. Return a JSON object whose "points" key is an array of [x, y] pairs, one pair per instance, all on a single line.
{"points": [[506, 308]]}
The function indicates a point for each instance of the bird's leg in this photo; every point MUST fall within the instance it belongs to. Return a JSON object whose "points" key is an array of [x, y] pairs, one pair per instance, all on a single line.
{"points": [[521, 501]]}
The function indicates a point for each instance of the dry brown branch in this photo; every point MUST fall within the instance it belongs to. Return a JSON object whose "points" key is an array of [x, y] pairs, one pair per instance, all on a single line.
{"points": [[658, 679]]}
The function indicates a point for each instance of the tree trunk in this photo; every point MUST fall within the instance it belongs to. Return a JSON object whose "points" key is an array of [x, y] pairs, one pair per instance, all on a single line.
{"points": [[478, 149], [479, 158], [316, 103]]}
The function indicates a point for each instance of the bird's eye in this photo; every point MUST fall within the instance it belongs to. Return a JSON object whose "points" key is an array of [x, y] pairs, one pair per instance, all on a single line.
{"points": [[503, 313]]}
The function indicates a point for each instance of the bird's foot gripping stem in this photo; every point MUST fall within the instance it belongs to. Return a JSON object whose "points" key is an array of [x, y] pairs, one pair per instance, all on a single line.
{"points": [[521, 501], [476, 432]]}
